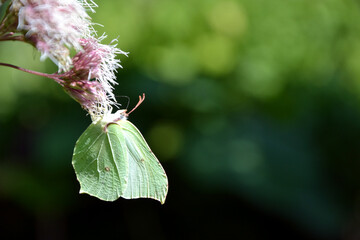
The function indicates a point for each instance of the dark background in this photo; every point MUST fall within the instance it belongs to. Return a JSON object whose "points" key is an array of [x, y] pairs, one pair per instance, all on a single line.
{"points": [[252, 107]]}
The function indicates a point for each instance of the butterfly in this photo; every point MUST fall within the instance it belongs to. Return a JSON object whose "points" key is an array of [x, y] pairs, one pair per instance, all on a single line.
{"points": [[111, 159]]}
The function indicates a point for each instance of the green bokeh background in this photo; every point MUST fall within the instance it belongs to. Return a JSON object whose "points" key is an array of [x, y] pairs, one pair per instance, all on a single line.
{"points": [[252, 107]]}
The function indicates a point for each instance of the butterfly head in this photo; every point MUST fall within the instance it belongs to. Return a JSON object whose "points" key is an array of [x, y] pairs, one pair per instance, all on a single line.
{"points": [[120, 115]]}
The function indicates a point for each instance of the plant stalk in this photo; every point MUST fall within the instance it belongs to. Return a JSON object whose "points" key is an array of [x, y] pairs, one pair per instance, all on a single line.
{"points": [[52, 76]]}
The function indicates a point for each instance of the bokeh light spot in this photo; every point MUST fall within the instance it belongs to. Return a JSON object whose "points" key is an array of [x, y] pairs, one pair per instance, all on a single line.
{"points": [[215, 53], [176, 65], [246, 156], [166, 140], [227, 17]]}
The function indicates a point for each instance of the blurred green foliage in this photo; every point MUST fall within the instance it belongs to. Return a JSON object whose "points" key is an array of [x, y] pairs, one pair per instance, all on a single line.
{"points": [[256, 99]]}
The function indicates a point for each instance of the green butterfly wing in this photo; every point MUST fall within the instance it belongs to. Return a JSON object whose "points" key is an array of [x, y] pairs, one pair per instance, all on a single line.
{"points": [[147, 178], [100, 162], [117, 162]]}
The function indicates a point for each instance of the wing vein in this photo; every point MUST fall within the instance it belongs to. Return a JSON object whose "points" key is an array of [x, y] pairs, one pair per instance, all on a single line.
{"points": [[113, 157]]}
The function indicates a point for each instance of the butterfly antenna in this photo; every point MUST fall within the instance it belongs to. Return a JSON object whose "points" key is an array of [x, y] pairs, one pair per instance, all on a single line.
{"points": [[141, 99], [128, 104], [127, 97]]}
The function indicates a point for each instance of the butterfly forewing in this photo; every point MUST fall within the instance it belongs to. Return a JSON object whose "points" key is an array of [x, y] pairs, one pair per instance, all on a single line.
{"points": [[100, 162]]}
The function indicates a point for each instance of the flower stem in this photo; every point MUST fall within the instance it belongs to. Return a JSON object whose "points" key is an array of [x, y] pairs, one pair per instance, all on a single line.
{"points": [[11, 36], [52, 76]]}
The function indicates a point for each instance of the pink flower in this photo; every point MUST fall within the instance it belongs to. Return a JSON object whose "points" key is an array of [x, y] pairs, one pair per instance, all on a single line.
{"points": [[93, 75], [55, 26], [89, 94]]}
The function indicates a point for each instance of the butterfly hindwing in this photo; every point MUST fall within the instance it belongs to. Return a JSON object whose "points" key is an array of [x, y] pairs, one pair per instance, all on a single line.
{"points": [[147, 178]]}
